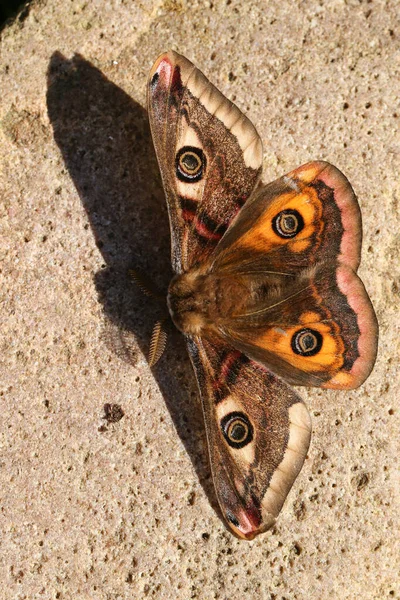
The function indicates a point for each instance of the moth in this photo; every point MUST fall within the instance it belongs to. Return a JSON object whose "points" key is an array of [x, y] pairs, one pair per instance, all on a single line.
{"points": [[265, 289]]}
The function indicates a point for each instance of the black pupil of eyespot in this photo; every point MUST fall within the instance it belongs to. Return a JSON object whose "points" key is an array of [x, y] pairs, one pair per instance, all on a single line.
{"points": [[288, 223], [307, 342], [190, 161], [190, 164], [237, 432], [237, 429]]}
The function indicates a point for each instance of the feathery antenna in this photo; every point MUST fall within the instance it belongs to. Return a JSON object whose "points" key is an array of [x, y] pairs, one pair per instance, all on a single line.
{"points": [[157, 343], [144, 285]]}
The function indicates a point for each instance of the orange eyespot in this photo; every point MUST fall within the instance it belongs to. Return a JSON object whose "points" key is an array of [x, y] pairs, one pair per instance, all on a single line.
{"points": [[307, 342], [288, 223]]}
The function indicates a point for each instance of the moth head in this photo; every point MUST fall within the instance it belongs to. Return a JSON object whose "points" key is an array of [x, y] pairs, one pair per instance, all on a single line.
{"points": [[185, 302]]}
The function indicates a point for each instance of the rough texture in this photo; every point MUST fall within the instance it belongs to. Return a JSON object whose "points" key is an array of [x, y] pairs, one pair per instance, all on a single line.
{"points": [[116, 502]]}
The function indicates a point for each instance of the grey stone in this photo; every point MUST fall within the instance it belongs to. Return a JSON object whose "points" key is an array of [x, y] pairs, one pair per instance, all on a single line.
{"points": [[96, 509]]}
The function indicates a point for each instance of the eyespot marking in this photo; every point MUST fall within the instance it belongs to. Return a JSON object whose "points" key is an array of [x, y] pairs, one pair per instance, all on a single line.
{"points": [[154, 80], [190, 164], [307, 342], [288, 223], [237, 429], [232, 519]]}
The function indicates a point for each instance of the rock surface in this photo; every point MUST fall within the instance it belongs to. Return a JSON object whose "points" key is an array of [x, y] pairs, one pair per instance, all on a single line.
{"points": [[105, 486]]}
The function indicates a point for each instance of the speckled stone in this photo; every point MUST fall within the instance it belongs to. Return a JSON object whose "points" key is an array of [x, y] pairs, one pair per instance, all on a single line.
{"points": [[105, 488]]}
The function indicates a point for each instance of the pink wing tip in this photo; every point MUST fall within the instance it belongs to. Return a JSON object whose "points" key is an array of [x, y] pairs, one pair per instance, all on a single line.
{"points": [[163, 67], [249, 524]]}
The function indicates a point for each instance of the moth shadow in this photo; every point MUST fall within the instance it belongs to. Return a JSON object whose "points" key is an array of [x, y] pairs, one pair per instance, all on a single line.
{"points": [[105, 141]]}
